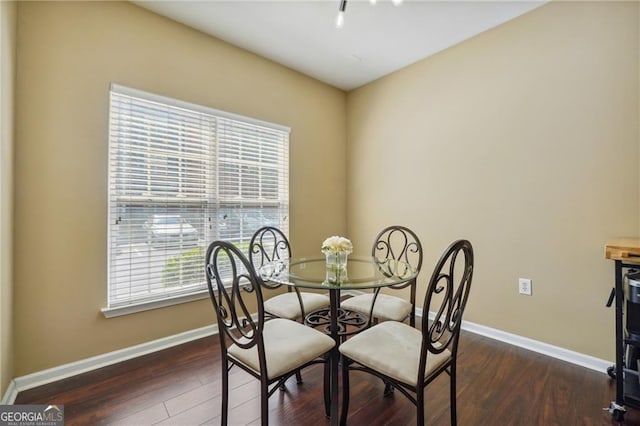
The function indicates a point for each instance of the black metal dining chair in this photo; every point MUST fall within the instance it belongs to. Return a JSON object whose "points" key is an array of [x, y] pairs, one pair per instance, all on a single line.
{"points": [[407, 358], [392, 243], [271, 351], [269, 244]]}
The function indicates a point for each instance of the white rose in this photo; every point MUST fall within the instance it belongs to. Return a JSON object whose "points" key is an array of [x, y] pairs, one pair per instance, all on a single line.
{"points": [[337, 244]]}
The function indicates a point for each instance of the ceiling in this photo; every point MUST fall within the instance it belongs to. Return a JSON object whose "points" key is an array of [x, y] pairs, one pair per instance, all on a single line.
{"points": [[376, 39]]}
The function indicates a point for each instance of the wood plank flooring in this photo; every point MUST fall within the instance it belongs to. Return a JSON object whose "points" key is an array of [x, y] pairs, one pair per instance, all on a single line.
{"points": [[498, 384]]}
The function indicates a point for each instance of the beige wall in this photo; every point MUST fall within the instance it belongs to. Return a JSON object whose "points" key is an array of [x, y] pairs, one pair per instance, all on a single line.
{"points": [[7, 82], [68, 53], [524, 140]]}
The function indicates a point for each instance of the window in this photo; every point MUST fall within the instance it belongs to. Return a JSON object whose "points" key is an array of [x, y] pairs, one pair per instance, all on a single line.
{"points": [[180, 176]]}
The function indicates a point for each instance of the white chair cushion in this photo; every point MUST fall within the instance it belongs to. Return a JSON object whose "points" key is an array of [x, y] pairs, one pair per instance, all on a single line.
{"points": [[288, 345], [386, 307], [392, 348], [287, 305]]}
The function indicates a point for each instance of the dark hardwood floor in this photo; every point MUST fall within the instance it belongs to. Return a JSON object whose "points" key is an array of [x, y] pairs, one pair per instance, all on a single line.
{"points": [[498, 384]]}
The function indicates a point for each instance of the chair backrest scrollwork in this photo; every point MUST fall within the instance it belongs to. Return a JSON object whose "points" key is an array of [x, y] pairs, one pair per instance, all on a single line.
{"points": [[234, 288], [268, 244], [446, 297], [398, 243]]}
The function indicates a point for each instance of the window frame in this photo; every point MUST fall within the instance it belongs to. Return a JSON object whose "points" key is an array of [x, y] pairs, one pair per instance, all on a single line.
{"points": [[213, 203]]}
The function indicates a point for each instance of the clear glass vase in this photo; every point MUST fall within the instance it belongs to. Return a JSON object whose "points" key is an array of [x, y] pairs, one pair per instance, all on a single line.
{"points": [[336, 267]]}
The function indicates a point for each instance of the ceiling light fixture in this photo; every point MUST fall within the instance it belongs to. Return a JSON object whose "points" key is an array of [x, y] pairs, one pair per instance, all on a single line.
{"points": [[343, 7], [340, 17]]}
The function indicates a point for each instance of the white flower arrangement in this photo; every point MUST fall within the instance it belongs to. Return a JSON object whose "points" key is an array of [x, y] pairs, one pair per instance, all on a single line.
{"points": [[337, 244]]}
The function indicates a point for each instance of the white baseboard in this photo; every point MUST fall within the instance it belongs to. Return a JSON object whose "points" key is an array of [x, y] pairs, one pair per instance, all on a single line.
{"points": [[67, 370], [50, 375], [557, 352], [10, 395]]}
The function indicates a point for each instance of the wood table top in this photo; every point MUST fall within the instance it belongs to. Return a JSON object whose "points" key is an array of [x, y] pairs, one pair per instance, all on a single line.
{"points": [[626, 249]]}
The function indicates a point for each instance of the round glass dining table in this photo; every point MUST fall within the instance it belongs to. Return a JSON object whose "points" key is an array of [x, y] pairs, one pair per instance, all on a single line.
{"points": [[361, 273]]}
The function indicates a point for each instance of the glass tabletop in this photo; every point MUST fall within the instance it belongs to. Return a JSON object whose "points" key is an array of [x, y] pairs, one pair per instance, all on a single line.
{"points": [[361, 273]]}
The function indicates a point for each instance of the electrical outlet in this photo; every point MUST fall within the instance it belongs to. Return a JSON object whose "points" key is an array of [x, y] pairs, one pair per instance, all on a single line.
{"points": [[524, 286]]}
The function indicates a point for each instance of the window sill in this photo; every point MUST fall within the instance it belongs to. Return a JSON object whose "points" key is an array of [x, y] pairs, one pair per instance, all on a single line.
{"points": [[147, 306]]}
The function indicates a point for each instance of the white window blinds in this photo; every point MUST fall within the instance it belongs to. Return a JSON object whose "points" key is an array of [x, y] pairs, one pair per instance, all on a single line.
{"points": [[180, 176]]}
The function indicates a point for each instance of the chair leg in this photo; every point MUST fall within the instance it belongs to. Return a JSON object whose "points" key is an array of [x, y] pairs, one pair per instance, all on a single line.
{"points": [[420, 407], [224, 418], [298, 377], [327, 389], [345, 392], [388, 389], [452, 401], [264, 402]]}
